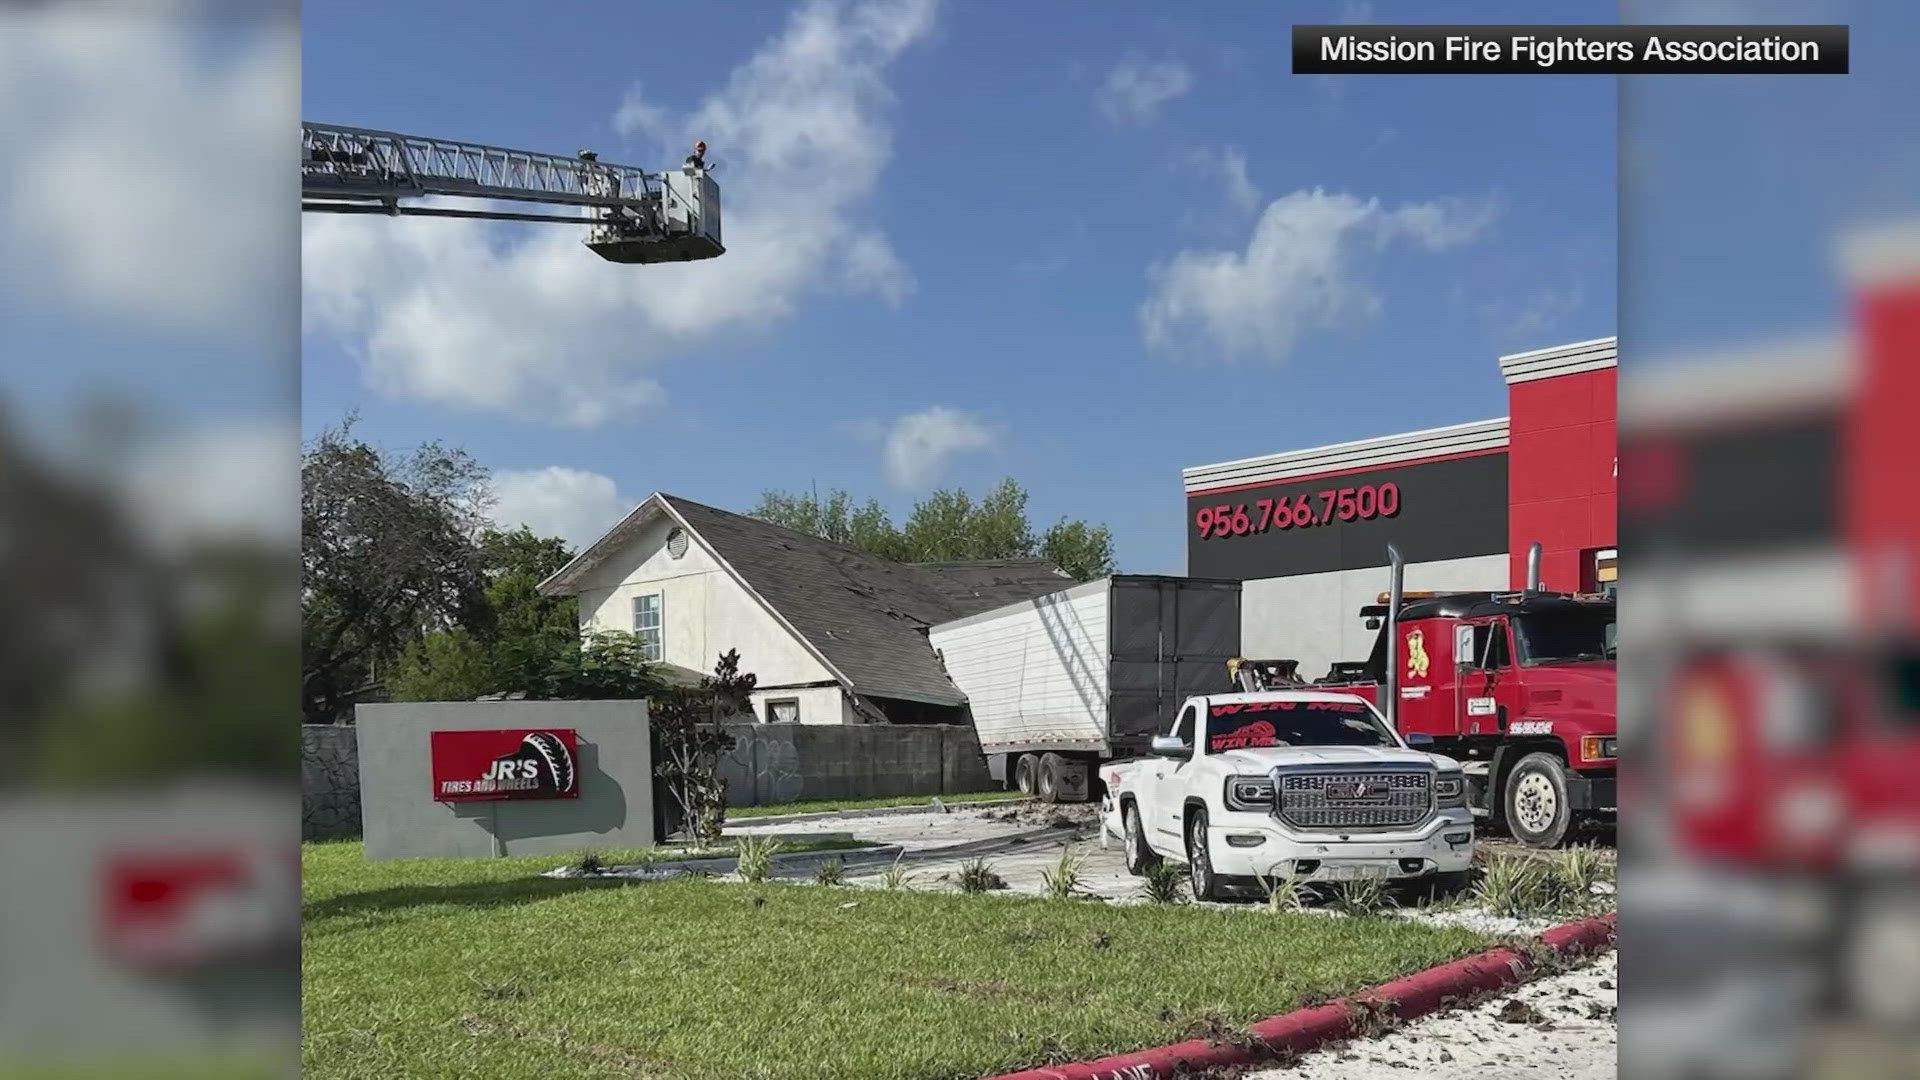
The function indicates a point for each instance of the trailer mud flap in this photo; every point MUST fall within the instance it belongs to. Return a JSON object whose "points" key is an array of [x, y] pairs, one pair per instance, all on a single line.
{"points": [[1072, 781]]}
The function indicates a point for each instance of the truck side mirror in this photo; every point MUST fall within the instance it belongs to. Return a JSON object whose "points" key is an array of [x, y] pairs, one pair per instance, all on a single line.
{"points": [[1373, 623], [1419, 740], [1168, 746]]}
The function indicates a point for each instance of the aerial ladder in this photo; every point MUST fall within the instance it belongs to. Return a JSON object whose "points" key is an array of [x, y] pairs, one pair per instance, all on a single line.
{"points": [[633, 216]]}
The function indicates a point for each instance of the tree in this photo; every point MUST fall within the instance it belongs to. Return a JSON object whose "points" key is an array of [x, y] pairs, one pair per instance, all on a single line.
{"points": [[946, 526], [531, 645], [1083, 551], [536, 638], [687, 724], [609, 665], [388, 554], [866, 527]]}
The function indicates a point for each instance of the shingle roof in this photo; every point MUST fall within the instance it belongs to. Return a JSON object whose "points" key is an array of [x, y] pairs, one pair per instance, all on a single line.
{"points": [[985, 584], [866, 615]]}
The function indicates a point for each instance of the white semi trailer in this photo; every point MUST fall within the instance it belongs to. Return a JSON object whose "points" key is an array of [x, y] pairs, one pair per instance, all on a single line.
{"points": [[1061, 683]]}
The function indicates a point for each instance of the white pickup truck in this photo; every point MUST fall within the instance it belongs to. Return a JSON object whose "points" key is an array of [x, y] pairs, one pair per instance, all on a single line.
{"points": [[1289, 784]]}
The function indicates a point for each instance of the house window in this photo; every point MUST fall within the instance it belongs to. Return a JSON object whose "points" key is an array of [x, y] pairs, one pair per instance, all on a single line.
{"points": [[647, 626], [783, 710]]}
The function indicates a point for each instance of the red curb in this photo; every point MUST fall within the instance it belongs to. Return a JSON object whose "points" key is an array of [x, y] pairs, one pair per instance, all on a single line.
{"points": [[1316, 1025]]}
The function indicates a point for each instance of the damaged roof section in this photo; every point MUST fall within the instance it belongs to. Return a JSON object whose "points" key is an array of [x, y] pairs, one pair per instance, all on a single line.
{"points": [[985, 584], [865, 615]]}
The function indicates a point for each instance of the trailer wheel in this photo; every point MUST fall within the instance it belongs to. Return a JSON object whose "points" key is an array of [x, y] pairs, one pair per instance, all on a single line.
{"points": [[1023, 774], [1140, 857], [1047, 778], [1538, 812]]}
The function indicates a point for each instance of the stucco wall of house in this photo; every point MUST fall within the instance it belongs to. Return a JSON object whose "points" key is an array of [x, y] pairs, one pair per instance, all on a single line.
{"points": [[818, 704], [704, 611]]}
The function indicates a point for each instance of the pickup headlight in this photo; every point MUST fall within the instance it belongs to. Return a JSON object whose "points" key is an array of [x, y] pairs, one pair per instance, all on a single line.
{"points": [[1450, 791], [1249, 793]]}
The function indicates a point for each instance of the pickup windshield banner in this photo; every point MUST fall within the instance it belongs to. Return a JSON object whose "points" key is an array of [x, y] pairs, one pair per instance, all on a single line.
{"points": [[1254, 725], [470, 766]]}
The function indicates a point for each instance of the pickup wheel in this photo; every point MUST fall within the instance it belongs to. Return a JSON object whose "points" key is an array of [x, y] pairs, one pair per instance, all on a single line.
{"points": [[1023, 774], [1140, 857], [1538, 812], [1199, 861]]}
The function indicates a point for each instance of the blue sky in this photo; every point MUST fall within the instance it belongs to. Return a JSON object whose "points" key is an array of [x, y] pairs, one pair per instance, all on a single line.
{"points": [[981, 241]]}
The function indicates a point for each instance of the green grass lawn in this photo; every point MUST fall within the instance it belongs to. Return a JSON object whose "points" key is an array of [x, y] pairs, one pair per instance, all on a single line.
{"points": [[821, 805], [448, 968]]}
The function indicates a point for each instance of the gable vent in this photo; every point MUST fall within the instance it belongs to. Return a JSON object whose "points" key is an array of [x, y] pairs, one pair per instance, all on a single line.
{"points": [[677, 542]]}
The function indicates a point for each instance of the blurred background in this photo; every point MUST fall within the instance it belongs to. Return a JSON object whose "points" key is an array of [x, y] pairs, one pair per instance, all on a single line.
{"points": [[149, 882], [1769, 467]]}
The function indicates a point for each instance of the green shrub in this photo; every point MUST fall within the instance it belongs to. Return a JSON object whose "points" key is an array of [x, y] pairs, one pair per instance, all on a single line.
{"points": [[756, 858], [1165, 884], [1063, 881], [896, 876], [1286, 893], [1362, 897], [831, 872], [977, 876]]}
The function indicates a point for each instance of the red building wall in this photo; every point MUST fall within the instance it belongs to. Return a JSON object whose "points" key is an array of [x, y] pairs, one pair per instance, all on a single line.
{"points": [[1561, 475]]}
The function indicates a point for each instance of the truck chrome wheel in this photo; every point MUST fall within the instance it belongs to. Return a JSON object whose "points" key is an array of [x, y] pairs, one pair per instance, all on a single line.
{"points": [[1199, 862], [1140, 857], [1537, 811], [1535, 804]]}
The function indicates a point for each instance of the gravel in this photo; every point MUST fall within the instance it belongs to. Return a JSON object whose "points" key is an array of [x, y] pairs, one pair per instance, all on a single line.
{"points": [[1562, 1027]]}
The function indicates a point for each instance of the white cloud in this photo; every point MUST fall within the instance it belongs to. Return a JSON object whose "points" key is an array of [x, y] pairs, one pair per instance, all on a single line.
{"points": [[147, 175], [1231, 165], [1296, 274], [574, 504], [526, 321], [638, 118], [1137, 88], [917, 447]]}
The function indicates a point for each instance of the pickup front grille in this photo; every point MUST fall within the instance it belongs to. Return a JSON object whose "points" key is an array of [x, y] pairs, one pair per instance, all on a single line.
{"points": [[1355, 800]]}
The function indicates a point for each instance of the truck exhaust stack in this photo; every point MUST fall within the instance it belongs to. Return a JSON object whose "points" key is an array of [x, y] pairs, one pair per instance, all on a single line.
{"points": [[1533, 567], [1391, 706]]}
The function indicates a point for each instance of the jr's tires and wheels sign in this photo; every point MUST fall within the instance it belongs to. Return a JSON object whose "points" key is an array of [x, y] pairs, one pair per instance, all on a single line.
{"points": [[469, 766]]}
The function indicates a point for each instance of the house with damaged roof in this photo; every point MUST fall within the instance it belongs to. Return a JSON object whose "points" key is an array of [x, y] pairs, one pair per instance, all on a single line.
{"points": [[835, 635]]}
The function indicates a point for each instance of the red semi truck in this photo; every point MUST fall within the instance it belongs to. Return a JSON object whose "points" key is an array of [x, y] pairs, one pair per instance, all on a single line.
{"points": [[1518, 686]]}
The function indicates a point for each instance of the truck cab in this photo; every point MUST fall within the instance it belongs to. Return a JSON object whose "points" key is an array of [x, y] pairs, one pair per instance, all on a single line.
{"points": [[1296, 783], [1520, 686]]}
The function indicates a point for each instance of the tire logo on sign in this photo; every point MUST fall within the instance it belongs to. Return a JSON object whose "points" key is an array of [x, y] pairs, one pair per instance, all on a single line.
{"points": [[1416, 655], [542, 758]]}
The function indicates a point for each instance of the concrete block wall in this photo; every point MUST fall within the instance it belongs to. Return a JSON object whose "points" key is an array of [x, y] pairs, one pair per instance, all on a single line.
{"points": [[779, 763], [770, 763], [329, 782]]}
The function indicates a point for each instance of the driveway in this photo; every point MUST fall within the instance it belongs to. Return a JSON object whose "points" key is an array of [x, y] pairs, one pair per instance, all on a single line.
{"points": [[1022, 840]]}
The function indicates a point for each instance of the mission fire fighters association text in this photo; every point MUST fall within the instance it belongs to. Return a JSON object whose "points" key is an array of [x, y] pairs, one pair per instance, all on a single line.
{"points": [[1548, 51]]}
